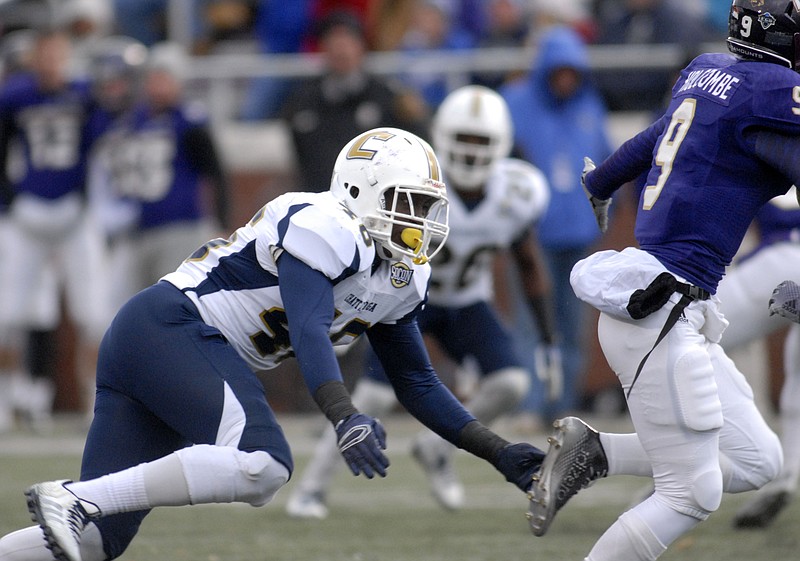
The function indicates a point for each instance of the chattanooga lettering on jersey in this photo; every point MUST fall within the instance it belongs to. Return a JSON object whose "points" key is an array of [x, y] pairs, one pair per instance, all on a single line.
{"points": [[711, 81], [359, 304]]}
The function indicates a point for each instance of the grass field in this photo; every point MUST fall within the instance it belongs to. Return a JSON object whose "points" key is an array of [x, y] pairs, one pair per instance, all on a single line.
{"points": [[392, 519]]}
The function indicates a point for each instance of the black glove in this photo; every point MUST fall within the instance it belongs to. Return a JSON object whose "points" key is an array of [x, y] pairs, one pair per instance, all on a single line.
{"points": [[361, 440], [518, 462]]}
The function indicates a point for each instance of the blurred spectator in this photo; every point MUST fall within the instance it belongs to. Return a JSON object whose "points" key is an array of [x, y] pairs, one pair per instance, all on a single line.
{"points": [[558, 119], [50, 233], [644, 22], [434, 28], [508, 24], [325, 112], [165, 162], [280, 28]]}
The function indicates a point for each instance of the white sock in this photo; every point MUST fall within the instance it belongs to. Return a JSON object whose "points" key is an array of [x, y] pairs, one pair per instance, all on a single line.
{"points": [[158, 483], [625, 455], [28, 545]]}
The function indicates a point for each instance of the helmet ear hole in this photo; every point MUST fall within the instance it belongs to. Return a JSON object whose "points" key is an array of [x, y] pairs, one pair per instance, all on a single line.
{"points": [[353, 190]]}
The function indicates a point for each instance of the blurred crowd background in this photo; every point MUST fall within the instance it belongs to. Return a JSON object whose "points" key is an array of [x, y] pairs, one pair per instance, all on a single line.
{"points": [[270, 90]]}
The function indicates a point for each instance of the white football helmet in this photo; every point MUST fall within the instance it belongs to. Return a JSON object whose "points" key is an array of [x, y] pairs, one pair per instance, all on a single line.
{"points": [[390, 179], [471, 130]]}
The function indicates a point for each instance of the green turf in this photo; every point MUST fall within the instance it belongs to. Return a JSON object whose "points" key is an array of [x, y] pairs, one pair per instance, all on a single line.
{"points": [[395, 519]]}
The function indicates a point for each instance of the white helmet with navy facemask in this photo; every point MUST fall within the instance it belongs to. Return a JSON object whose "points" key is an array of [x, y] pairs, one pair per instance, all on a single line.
{"points": [[390, 179]]}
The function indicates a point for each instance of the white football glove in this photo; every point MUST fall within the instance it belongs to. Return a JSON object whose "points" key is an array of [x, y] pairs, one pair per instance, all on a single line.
{"points": [[599, 206], [549, 369], [785, 301]]}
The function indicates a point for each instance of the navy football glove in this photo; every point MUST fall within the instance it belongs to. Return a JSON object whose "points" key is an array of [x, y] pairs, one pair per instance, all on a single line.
{"points": [[361, 440], [518, 462]]}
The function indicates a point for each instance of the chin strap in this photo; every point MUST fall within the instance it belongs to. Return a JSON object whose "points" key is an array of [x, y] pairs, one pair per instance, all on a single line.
{"points": [[412, 237]]}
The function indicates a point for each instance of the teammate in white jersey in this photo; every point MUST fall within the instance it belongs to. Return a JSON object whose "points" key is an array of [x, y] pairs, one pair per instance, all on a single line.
{"points": [[494, 202], [180, 416]]}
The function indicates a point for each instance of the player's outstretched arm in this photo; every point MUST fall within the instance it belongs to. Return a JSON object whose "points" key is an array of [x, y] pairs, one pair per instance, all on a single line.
{"points": [[402, 353]]}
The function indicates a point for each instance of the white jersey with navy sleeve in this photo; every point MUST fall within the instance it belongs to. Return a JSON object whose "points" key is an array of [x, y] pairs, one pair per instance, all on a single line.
{"points": [[234, 282], [516, 195]]}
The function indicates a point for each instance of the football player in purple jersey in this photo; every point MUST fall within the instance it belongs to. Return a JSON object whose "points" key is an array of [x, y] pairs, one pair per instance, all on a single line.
{"points": [[728, 143]]}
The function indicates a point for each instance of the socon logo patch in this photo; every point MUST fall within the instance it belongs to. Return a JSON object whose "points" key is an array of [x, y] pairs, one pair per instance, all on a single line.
{"points": [[400, 275]]}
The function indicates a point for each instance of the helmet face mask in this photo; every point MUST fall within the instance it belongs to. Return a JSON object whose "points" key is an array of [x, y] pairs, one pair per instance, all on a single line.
{"points": [[390, 180], [471, 130], [766, 31]]}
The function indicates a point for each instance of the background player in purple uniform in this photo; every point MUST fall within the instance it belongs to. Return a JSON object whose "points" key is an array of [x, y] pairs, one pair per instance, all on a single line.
{"points": [[181, 417], [50, 230], [728, 143], [163, 161]]}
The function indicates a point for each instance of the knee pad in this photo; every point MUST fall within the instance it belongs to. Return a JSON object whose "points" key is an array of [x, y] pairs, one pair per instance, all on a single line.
{"points": [[697, 498], [513, 383], [499, 394], [696, 392], [223, 474]]}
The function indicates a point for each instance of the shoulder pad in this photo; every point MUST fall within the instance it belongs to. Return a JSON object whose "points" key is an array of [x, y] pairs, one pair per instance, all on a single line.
{"points": [[523, 186], [327, 239]]}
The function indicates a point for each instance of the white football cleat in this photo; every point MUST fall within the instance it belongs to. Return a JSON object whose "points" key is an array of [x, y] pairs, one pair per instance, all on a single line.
{"points": [[307, 505], [575, 460], [436, 458], [62, 517]]}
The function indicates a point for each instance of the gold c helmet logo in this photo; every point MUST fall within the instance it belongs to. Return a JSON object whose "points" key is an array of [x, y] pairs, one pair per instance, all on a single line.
{"points": [[400, 274]]}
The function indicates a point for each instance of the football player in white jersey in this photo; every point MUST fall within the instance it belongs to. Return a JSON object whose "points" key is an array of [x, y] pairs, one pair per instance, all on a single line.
{"points": [[181, 417], [494, 202]]}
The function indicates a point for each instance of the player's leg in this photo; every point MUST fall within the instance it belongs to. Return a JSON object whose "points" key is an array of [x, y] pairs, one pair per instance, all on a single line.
{"points": [[373, 395], [196, 389], [762, 509], [88, 299], [745, 290]]}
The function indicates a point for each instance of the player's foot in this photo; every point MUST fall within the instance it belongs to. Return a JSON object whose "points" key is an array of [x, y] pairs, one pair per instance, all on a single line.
{"points": [[436, 459], [574, 461], [762, 509], [62, 517], [303, 504]]}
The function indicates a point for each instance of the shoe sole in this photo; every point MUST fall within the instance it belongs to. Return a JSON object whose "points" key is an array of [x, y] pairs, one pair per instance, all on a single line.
{"points": [[539, 512], [34, 507]]}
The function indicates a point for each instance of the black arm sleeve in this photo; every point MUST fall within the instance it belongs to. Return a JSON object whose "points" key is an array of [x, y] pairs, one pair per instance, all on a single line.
{"points": [[203, 155], [779, 151]]}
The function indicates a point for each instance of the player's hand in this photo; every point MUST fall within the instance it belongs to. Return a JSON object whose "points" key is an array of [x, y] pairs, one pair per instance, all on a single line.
{"points": [[785, 301], [361, 441], [549, 369], [599, 206], [518, 462]]}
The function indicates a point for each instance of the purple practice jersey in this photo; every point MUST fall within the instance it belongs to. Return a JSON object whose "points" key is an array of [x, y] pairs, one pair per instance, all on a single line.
{"points": [[705, 183], [154, 166], [50, 130]]}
